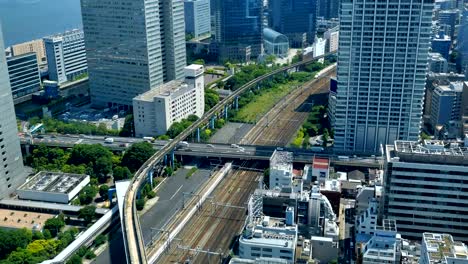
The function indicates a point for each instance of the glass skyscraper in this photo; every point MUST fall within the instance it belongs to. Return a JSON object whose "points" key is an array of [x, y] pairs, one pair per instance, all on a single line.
{"points": [[132, 46], [12, 172], [294, 18], [238, 28], [382, 64]]}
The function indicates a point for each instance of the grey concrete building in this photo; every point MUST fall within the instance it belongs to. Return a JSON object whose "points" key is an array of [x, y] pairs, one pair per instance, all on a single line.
{"points": [[426, 187], [197, 17], [24, 76], [132, 45], [66, 56], [12, 172], [382, 64]]}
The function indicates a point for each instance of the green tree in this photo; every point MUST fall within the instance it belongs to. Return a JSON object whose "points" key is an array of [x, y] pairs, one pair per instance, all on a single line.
{"points": [[136, 155], [219, 123], [192, 118], [425, 136], [199, 62], [128, 127], [104, 191], [54, 225], [175, 129], [87, 195], [75, 259], [102, 168], [169, 171], [163, 137], [100, 239], [140, 204], [121, 173], [211, 98], [13, 239], [87, 213], [47, 234], [37, 235]]}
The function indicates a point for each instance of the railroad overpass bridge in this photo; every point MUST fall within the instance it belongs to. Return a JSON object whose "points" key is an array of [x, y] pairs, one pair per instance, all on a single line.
{"points": [[134, 246]]}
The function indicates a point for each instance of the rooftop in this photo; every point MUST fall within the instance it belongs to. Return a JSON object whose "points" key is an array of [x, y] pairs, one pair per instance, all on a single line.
{"points": [[53, 182], [430, 151], [451, 87], [162, 90], [281, 158], [270, 231], [441, 246], [320, 163]]}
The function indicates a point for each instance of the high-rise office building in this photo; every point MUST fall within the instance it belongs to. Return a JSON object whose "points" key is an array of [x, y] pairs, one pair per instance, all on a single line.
{"points": [[66, 56], [197, 17], [12, 172], [426, 187], [132, 46], [328, 8], [294, 18], [238, 28], [23, 71], [382, 64], [462, 43]]}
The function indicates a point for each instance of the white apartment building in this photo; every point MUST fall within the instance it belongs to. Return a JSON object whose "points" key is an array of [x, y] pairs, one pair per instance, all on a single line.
{"points": [[384, 246], [66, 55], [382, 64], [332, 37], [366, 223], [156, 110], [269, 237], [437, 63], [426, 188], [281, 169], [442, 249], [319, 47]]}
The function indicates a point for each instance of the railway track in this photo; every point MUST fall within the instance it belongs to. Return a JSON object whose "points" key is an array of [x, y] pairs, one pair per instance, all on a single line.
{"points": [[214, 228], [279, 126]]}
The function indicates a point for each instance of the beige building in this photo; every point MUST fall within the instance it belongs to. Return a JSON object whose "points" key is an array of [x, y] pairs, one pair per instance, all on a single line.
{"points": [[36, 46]]}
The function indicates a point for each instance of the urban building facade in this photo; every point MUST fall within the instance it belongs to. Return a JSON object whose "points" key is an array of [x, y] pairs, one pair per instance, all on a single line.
{"points": [[238, 29], [12, 172], [23, 71], [381, 73], [131, 47], [197, 17], [446, 104], [294, 18], [36, 46], [462, 43], [437, 63], [426, 187], [441, 44], [156, 110], [328, 8], [384, 245], [66, 56], [281, 170], [332, 37]]}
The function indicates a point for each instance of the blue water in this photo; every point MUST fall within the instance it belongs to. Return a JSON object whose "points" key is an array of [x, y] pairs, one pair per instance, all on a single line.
{"points": [[24, 20]]}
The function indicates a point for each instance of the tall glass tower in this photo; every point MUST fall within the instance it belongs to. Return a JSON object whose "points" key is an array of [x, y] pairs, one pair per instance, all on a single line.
{"points": [[238, 28], [382, 63], [12, 172], [132, 46]]}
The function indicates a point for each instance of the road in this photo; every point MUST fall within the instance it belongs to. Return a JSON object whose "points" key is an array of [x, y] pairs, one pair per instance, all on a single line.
{"points": [[169, 201]]}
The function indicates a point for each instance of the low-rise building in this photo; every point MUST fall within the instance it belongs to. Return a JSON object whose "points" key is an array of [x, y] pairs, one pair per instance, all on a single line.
{"points": [[281, 169], [66, 56], [441, 44], [275, 43], [384, 246], [426, 187], [35, 46], [446, 104], [442, 249], [24, 74], [269, 237], [324, 249], [55, 187], [437, 63], [320, 169], [156, 110]]}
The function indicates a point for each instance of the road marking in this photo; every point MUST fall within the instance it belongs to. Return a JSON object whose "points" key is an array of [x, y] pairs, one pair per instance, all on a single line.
{"points": [[176, 192]]}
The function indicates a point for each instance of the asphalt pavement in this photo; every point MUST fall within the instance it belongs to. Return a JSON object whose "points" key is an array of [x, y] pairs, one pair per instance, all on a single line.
{"points": [[170, 201]]}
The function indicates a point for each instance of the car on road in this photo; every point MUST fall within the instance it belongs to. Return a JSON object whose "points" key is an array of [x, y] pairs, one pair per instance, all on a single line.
{"points": [[234, 146], [210, 146]]}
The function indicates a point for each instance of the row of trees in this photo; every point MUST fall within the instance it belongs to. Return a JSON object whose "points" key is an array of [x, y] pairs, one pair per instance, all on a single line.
{"points": [[73, 127], [316, 124]]}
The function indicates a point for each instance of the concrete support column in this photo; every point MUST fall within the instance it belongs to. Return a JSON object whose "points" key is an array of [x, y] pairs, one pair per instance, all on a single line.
{"points": [[198, 134]]}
